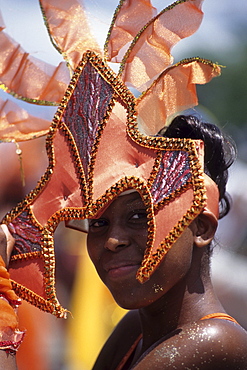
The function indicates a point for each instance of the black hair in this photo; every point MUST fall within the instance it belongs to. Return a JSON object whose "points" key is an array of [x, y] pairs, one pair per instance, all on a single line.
{"points": [[220, 151]]}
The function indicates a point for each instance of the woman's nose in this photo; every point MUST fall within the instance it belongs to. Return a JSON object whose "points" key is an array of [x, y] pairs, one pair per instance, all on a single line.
{"points": [[116, 240]]}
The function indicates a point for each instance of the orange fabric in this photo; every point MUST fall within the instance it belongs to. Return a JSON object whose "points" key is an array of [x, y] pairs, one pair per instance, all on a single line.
{"points": [[212, 203], [8, 317], [149, 56], [130, 19], [174, 91], [10, 336], [35, 352], [29, 273], [30, 77], [63, 189], [127, 159], [5, 284], [18, 125], [167, 218], [69, 29]]}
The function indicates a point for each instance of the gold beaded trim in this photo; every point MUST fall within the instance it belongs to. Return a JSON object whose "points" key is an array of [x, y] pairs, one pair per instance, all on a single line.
{"points": [[38, 301], [50, 35], [111, 27], [26, 256], [95, 149], [76, 158], [27, 100]]}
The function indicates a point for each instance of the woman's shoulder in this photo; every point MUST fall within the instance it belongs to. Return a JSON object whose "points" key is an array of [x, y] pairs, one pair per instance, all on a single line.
{"points": [[119, 342], [207, 344], [210, 344]]}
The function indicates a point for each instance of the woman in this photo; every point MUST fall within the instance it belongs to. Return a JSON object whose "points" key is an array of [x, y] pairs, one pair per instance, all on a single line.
{"points": [[99, 147], [169, 325]]}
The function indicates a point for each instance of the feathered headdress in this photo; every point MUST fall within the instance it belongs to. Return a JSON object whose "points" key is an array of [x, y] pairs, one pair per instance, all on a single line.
{"points": [[103, 140]]}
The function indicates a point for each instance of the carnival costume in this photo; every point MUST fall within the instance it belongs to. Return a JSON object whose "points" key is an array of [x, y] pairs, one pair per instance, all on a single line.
{"points": [[103, 140]]}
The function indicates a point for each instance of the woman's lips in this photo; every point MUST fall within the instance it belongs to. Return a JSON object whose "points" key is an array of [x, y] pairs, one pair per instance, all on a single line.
{"points": [[121, 270]]}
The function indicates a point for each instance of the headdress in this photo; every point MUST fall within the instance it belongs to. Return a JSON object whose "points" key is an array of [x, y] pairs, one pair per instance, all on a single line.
{"points": [[103, 140]]}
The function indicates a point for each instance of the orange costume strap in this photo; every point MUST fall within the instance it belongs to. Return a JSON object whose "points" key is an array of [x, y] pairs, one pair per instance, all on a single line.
{"points": [[219, 315], [10, 336], [129, 353]]}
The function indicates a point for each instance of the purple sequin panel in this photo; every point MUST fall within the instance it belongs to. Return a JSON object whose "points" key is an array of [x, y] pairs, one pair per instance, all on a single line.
{"points": [[173, 173], [27, 236], [86, 108]]}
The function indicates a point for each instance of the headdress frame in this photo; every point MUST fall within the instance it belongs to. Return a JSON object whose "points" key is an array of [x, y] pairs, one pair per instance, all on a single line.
{"points": [[94, 194]]}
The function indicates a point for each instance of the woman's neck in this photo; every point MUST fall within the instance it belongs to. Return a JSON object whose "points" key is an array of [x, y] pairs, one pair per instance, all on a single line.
{"points": [[189, 300]]}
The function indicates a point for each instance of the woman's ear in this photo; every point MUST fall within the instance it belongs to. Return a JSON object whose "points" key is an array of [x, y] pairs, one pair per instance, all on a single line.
{"points": [[205, 226]]}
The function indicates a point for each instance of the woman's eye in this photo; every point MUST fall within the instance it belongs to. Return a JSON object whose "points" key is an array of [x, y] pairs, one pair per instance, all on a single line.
{"points": [[97, 223], [140, 215]]}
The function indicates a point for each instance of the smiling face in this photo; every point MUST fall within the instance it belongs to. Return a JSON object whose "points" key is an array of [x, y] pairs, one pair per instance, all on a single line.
{"points": [[116, 245]]}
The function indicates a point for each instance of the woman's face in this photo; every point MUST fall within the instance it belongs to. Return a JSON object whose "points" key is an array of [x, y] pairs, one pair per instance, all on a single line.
{"points": [[116, 245]]}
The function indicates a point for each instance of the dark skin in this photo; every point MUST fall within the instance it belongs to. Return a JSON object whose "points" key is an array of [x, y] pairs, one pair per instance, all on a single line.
{"points": [[166, 309]]}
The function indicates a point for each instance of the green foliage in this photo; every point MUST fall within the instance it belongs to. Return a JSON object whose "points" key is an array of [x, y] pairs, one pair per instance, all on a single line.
{"points": [[226, 96]]}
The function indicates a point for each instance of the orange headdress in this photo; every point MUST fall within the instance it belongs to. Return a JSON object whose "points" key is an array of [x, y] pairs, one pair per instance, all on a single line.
{"points": [[102, 140]]}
